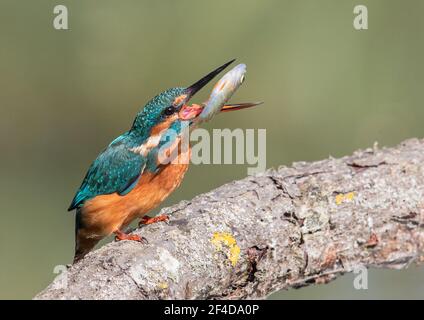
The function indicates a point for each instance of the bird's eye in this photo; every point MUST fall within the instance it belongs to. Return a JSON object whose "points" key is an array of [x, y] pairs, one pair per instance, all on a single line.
{"points": [[169, 111], [242, 79]]}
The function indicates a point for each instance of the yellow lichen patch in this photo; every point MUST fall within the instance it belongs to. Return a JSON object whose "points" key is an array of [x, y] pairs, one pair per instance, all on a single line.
{"points": [[220, 239], [340, 198], [163, 285]]}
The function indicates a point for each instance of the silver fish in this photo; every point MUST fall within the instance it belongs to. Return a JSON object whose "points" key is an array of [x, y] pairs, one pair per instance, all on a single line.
{"points": [[222, 92]]}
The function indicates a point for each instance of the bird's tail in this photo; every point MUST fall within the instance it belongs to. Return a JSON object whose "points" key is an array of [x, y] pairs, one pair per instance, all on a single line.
{"points": [[83, 246], [83, 243]]}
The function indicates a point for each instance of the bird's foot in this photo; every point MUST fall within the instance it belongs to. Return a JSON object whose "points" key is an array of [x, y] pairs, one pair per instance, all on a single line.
{"points": [[119, 236], [148, 220]]}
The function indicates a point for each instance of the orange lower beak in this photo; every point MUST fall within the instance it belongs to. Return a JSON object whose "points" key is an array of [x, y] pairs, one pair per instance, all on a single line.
{"points": [[191, 112], [239, 106]]}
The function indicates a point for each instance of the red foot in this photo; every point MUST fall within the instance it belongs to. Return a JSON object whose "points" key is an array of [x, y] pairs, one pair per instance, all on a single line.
{"points": [[132, 237], [147, 220]]}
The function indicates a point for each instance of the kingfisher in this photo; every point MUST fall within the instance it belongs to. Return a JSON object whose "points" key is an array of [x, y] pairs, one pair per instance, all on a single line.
{"points": [[126, 180]]}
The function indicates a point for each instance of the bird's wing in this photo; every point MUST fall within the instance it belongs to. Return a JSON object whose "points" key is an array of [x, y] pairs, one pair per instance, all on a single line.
{"points": [[116, 169]]}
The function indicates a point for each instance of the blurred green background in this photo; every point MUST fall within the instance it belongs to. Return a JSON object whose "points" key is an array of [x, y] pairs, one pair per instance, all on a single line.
{"points": [[64, 95]]}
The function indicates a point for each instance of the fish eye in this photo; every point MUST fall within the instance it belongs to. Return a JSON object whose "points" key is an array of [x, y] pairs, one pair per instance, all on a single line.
{"points": [[242, 79], [169, 111]]}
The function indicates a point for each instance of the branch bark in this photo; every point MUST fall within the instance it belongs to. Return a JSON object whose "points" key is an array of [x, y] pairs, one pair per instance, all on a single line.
{"points": [[285, 228]]}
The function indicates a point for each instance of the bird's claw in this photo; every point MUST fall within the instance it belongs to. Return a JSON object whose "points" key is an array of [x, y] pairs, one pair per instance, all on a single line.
{"points": [[148, 220], [132, 237]]}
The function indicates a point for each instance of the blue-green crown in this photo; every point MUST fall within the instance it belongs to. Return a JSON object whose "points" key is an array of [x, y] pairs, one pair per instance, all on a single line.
{"points": [[152, 113]]}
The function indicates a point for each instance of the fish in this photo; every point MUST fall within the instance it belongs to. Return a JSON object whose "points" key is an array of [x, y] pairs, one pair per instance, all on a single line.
{"points": [[222, 92]]}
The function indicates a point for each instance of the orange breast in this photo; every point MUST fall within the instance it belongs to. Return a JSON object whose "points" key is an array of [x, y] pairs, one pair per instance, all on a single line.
{"points": [[105, 214]]}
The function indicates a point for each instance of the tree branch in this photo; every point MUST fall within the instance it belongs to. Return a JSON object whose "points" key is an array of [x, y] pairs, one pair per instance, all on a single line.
{"points": [[282, 229]]}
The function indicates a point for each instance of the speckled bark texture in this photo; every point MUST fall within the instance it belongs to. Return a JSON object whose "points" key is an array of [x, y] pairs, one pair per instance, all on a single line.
{"points": [[285, 228]]}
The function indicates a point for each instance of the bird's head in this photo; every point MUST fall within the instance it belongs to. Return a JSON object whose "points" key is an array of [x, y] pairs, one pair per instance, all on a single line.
{"points": [[169, 108]]}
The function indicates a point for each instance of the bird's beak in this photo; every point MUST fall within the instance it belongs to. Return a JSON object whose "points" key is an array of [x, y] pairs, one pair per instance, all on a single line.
{"points": [[191, 90], [191, 112], [239, 106]]}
